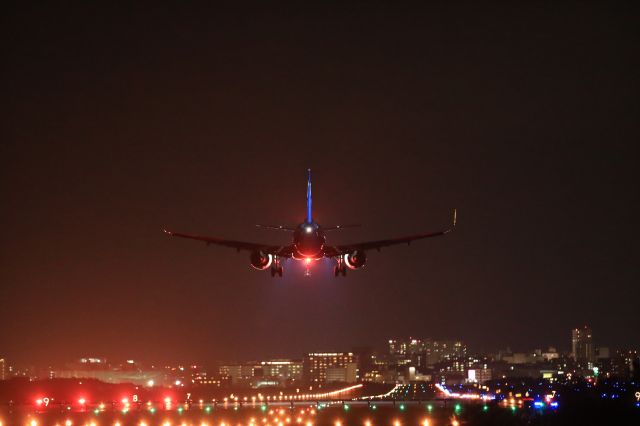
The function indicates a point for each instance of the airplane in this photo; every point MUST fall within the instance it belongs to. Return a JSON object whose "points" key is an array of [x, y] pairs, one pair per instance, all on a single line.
{"points": [[309, 244]]}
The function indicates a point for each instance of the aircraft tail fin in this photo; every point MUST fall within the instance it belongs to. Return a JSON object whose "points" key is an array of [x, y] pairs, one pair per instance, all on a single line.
{"points": [[309, 216]]}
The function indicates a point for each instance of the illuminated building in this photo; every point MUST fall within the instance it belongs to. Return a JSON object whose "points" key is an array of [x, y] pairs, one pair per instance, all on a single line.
{"points": [[582, 348], [444, 350], [98, 368], [342, 366], [409, 351], [2, 367], [282, 369], [346, 374], [479, 375], [626, 363], [202, 378], [239, 373]]}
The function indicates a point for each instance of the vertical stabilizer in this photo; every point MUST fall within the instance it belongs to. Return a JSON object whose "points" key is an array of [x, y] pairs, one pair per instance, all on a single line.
{"points": [[309, 217]]}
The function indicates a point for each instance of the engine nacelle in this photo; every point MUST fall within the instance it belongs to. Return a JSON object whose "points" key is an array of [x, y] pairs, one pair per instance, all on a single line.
{"points": [[261, 260], [355, 259]]}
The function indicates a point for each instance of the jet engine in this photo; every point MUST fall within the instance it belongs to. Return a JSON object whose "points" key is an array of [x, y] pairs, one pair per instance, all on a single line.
{"points": [[355, 259], [261, 260]]}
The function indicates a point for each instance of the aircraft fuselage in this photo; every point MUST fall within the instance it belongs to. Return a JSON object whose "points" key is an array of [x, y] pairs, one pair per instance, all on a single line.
{"points": [[308, 241]]}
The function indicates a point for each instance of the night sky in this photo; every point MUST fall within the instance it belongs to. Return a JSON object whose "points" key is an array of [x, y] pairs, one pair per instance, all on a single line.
{"points": [[117, 122]]}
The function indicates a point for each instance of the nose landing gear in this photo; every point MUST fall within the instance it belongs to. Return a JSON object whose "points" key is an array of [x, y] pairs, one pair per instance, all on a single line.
{"points": [[276, 268]]}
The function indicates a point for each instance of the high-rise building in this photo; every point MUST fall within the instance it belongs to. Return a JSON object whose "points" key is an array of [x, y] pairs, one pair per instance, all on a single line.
{"points": [[315, 366], [2, 367], [239, 373], [444, 350], [401, 348], [582, 348], [282, 369]]}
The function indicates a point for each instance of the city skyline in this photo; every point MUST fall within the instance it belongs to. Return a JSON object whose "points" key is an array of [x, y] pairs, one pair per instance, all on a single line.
{"points": [[398, 345]]}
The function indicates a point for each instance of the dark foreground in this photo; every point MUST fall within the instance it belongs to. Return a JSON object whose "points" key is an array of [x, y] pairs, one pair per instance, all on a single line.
{"points": [[606, 413]]}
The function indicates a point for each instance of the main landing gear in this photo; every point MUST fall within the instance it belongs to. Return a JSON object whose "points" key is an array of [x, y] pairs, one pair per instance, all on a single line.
{"points": [[340, 268], [276, 268]]}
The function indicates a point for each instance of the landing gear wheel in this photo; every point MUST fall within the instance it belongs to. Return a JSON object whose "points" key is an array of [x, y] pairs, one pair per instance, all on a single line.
{"points": [[339, 269]]}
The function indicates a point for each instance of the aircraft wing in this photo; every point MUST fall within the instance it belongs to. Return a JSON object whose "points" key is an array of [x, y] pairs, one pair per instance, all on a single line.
{"points": [[369, 245], [238, 245]]}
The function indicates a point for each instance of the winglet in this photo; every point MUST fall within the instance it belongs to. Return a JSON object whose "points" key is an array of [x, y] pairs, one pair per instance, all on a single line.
{"points": [[455, 219], [309, 217]]}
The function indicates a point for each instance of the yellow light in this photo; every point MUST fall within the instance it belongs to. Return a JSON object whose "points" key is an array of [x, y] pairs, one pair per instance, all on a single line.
{"points": [[34, 423], [455, 423], [116, 424], [338, 423], [425, 422], [68, 423], [166, 424], [367, 423], [143, 424], [396, 423]]}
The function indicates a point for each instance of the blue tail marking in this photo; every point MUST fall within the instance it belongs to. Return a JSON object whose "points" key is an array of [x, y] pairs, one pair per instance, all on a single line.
{"points": [[309, 217]]}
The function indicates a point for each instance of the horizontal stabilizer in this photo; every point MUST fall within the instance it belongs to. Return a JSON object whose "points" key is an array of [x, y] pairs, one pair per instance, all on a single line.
{"points": [[276, 227], [337, 227]]}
